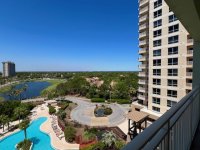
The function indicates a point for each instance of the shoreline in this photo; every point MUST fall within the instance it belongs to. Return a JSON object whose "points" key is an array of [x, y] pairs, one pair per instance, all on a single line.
{"points": [[8, 87]]}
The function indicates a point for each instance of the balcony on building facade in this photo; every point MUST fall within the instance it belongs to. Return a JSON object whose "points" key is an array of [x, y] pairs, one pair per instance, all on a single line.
{"points": [[189, 63], [142, 74], [144, 10], [143, 27], [142, 50], [142, 43], [142, 97], [189, 74], [143, 2], [189, 85], [142, 66], [142, 35], [190, 42], [141, 89], [143, 18], [142, 82], [142, 58], [190, 52]]}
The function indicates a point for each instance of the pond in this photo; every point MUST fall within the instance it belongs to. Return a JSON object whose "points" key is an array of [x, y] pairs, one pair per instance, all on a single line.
{"points": [[32, 90]]}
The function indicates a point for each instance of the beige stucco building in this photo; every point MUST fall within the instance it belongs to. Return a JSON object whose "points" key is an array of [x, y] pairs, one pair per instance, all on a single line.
{"points": [[166, 56]]}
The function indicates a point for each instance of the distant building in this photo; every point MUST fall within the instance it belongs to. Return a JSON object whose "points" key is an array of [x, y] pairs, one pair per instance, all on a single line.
{"points": [[8, 69]]}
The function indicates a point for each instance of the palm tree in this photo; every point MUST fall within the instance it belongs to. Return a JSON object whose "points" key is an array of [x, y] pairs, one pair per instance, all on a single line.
{"points": [[7, 121], [20, 112], [23, 126], [109, 139], [4, 120]]}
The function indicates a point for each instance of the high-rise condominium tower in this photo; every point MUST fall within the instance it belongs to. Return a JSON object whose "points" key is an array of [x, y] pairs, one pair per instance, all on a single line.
{"points": [[8, 69], [166, 51]]}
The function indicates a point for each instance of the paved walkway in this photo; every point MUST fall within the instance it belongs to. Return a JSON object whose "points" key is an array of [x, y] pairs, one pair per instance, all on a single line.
{"points": [[84, 113]]}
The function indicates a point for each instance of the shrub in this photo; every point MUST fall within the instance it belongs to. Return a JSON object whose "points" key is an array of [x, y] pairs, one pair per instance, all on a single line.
{"points": [[24, 145], [97, 100], [61, 114], [121, 101], [108, 111], [88, 136], [119, 145], [63, 105], [52, 110], [70, 134]]}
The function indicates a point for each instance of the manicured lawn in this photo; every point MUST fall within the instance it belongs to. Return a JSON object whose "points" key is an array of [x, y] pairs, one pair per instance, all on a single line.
{"points": [[54, 84]]}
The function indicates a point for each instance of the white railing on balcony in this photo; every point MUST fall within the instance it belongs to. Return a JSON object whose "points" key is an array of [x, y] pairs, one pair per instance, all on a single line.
{"points": [[142, 74], [174, 130], [142, 97], [190, 52], [142, 82], [143, 26], [142, 66], [189, 74], [143, 34], [145, 9], [142, 50], [141, 89], [143, 18], [142, 2], [142, 58], [190, 40], [189, 62], [189, 84], [143, 42]]}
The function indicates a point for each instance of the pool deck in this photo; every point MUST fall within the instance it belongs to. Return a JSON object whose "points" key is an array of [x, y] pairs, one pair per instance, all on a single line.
{"points": [[56, 143]]}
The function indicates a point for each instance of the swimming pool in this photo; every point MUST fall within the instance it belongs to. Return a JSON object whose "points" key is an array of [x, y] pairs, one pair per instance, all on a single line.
{"points": [[41, 141]]}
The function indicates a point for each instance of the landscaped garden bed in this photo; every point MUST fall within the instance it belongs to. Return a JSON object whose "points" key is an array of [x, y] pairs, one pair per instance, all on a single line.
{"points": [[24, 145], [102, 111], [87, 137]]}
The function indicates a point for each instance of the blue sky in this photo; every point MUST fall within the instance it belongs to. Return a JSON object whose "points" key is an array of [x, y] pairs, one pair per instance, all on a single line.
{"points": [[69, 35]]}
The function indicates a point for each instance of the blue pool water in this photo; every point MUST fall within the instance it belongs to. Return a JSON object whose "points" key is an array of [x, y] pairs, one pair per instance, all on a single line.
{"points": [[41, 141]]}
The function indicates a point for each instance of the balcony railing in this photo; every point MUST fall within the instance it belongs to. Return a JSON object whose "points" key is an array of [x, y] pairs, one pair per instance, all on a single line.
{"points": [[144, 26], [143, 34], [142, 58], [142, 66], [189, 74], [189, 84], [141, 97], [190, 52], [143, 43], [143, 10], [142, 50], [143, 18], [141, 89], [190, 40], [142, 2], [174, 130], [189, 62], [142, 82], [142, 74]]}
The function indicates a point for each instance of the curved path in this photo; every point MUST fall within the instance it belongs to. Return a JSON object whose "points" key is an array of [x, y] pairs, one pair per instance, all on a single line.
{"points": [[84, 113]]}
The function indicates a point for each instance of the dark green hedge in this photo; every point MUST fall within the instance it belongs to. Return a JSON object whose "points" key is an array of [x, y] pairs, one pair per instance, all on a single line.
{"points": [[98, 100]]}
